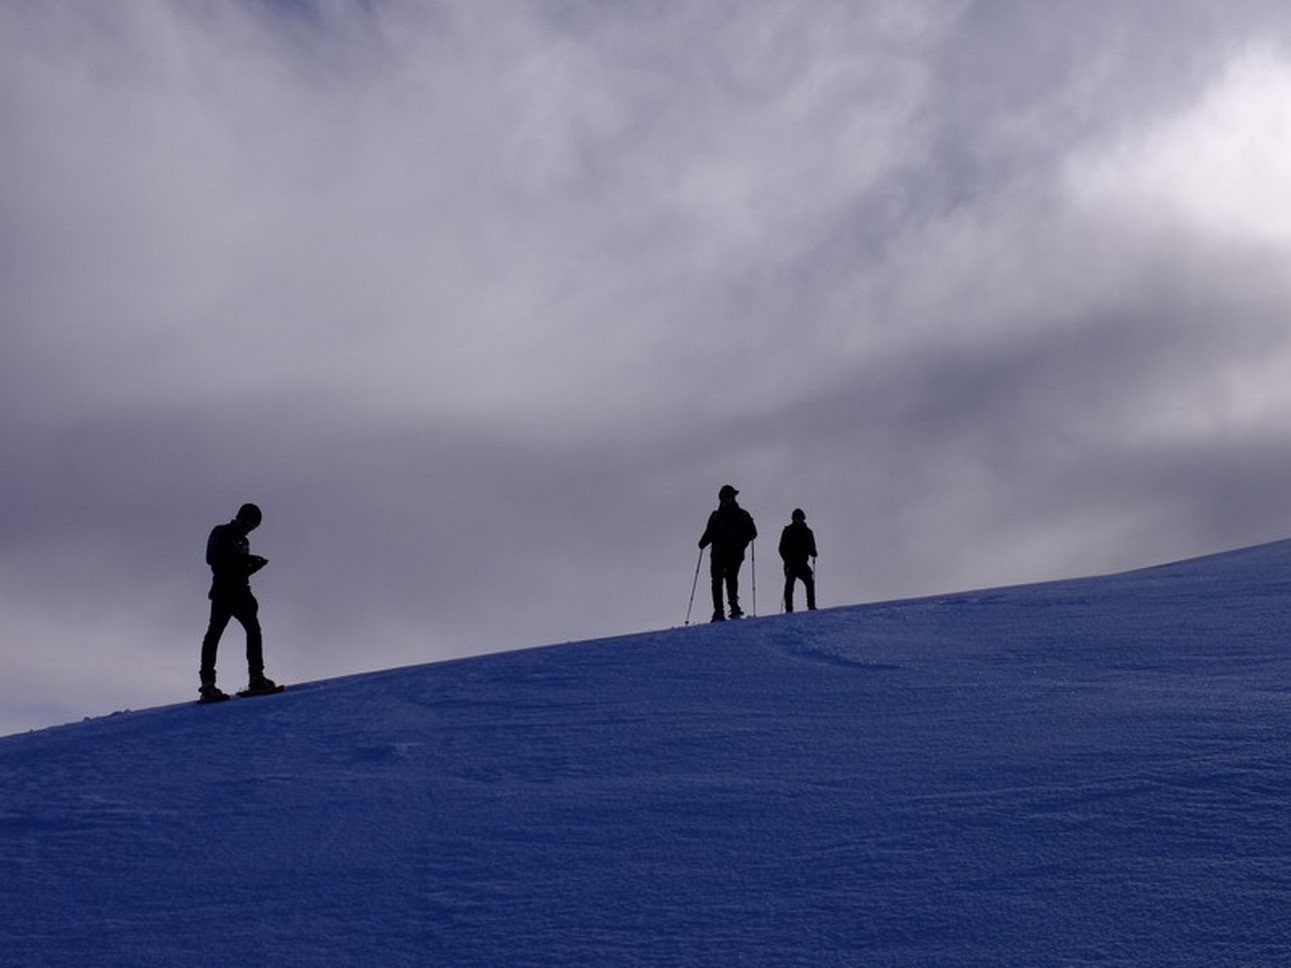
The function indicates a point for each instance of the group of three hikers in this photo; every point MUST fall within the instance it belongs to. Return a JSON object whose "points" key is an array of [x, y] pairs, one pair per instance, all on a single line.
{"points": [[729, 532]]}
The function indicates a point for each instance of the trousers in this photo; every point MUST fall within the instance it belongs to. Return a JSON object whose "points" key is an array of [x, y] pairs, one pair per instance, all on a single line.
{"points": [[724, 569], [793, 572], [243, 607]]}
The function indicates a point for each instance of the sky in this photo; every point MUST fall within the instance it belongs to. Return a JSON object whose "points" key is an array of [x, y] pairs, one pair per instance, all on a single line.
{"points": [[483, 302]]}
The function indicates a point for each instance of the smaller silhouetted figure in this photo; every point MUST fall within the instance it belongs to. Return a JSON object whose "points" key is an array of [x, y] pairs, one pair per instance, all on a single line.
{"points": [[730, 529], [797, 544], [229, 554]]}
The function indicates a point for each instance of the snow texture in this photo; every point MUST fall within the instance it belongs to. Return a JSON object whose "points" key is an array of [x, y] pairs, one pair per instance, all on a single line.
{"points": [[1090, 772]]}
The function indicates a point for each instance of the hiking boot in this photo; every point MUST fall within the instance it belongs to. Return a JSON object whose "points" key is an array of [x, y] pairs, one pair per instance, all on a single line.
{"points": [[737, 612], [261, 684], [211, 693], [718, 616]]}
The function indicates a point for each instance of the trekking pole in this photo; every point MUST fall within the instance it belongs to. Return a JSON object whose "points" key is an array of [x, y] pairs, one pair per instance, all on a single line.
{"points": [[694, 584], [753, 553]]}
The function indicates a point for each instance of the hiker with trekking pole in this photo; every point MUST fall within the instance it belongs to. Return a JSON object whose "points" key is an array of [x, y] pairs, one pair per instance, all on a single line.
{"points": [[729, 532], [797, 544]]}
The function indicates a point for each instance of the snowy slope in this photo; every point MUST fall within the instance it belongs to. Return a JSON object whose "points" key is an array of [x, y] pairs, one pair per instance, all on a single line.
{"points": [[1091, 772]]}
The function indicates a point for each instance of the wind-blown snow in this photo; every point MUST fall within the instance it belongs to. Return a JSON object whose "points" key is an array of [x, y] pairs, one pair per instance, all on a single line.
{"points": [[1091, 772]]}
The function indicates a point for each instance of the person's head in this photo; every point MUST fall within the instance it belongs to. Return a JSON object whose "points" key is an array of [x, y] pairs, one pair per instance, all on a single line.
{"points": [[799, 514], [727, 493], [248, 517]]}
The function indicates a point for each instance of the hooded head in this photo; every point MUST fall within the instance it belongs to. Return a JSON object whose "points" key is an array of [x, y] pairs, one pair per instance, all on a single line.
{"points": [[799, 515]]}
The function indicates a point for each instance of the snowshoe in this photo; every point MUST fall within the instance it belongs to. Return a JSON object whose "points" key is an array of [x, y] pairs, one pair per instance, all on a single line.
{"points": [[261, 687]]}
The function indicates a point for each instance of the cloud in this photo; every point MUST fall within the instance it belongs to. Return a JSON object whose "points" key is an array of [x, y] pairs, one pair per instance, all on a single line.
{"points": [[463, 195], [1211, 170]]}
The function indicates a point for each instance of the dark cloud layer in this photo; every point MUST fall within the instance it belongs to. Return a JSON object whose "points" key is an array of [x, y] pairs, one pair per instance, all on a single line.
{"points": [[482, 302]]}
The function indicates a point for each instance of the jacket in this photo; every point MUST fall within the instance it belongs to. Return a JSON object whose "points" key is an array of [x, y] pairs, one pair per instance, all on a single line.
{"points": [[730, 529], [797, 543]]}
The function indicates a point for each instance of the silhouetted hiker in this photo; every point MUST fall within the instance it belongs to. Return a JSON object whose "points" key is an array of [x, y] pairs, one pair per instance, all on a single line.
{"points": [[232, 565], [730, 529], [797, 544]]}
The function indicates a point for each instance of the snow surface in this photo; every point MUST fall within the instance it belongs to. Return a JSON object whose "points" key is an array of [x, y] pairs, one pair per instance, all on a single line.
{"points": [[1091, 772]]}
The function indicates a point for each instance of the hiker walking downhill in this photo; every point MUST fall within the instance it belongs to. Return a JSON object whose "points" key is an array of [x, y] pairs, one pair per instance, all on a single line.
{"points": [[730, 529], [229, 554], [797, 544]]}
